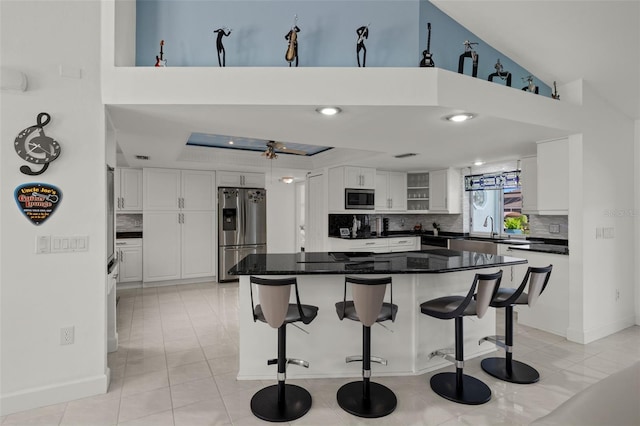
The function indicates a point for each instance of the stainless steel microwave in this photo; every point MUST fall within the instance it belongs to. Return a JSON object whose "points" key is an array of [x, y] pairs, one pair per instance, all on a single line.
{"points": [[359, 199]]}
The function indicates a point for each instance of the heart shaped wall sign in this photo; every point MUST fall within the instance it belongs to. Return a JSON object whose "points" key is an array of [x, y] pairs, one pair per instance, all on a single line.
{"points": [[37, 201]]}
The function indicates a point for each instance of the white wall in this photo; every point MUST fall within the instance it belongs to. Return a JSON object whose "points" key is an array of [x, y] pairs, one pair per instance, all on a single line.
{"points": [[39, 294], [281, 215], [636, 192], [602, 188]]}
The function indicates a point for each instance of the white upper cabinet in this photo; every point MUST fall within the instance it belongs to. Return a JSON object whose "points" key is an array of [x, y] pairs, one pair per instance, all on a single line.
{"points": [[344, 177], [529, 184], [391, 189], [359, 177], [240, 179], [553, 177], [171, 189], [128, 187], [197, 190], [445, 194]]}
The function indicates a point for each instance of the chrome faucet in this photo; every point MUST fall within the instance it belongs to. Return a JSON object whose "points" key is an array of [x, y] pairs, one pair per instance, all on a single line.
{"points": [[493, 234]]}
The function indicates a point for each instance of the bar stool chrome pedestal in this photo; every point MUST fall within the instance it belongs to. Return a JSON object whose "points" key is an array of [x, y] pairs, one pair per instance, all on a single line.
{"points": [[281, 402], [459, 387], [507, 368], [365, 398]]}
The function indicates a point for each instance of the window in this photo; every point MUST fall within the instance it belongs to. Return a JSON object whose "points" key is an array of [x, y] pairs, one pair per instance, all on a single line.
{"points": [[495, 204]]}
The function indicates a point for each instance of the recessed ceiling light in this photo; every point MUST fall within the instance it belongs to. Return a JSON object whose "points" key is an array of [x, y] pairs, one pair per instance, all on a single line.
{"points": [[478, 163], [287, 179], [329, 110], [230, 142], [459, 118]]}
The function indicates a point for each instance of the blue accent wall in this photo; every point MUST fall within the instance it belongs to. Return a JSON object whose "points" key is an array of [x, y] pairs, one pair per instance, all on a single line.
{"points": [[397, 34]]}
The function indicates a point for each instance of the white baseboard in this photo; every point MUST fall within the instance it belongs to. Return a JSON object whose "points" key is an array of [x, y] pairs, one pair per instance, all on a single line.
{"points": [[588, 336], [53, 394], [146, 284]]}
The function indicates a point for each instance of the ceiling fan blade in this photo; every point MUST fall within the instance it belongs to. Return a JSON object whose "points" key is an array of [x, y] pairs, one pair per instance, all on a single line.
{"points": [[292, 151]]}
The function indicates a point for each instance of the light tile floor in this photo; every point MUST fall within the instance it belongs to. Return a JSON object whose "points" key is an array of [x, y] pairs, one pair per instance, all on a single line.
{"points": [[177, 363]]}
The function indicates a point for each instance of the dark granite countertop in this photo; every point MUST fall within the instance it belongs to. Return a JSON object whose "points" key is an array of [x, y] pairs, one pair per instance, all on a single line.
{"points": [[543, 248], [128, 234], [414, 262]]}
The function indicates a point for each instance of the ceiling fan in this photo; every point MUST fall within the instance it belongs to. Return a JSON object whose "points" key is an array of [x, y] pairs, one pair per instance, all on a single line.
{"points": [[272, 146]]}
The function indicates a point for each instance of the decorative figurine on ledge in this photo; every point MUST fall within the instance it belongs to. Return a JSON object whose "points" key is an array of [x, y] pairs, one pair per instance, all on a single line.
{"points": [[222, 32], [555, 94], [469, 53], [292, 37], [363, 33], [501, 73], [530, 87], [160, 61], [427, 57]]}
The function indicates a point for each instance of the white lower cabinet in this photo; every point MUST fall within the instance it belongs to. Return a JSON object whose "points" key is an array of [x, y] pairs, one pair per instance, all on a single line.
{"points": [[551, 312], [179, 245], [375, 245], [404, 244], [130, 260]]}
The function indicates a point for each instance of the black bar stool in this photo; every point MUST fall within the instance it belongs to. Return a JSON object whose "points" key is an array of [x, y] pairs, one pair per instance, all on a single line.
{"points": [[364, 398], [281, 402], [459, 387], [507, 368]]}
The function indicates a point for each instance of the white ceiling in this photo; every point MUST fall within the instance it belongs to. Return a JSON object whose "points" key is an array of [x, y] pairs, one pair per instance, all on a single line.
{"points": [[562, 41]]}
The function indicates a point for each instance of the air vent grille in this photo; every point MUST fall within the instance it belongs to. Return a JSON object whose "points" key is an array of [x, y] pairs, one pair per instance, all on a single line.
{"points": [[142, 157]]}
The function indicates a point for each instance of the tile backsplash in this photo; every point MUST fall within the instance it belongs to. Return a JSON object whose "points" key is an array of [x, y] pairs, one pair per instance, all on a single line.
{"points": [[539, 226], [129, 222]]}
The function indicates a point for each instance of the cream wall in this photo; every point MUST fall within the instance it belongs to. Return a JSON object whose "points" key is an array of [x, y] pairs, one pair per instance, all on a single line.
{"points": [[601, 169], [39, 294]]}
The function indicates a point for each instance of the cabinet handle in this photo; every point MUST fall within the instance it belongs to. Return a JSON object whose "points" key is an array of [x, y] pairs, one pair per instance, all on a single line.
{"points": [[369, 244], [402, 242]]}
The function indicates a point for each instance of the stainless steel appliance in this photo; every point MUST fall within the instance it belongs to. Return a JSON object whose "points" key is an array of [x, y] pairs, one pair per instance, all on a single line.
{"points": [[359, 199], [111, 222], [242, 227]]}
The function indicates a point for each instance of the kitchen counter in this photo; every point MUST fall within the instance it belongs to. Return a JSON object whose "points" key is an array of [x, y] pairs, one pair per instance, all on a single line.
{"points": [[417, 276], [128, 234], [543, 248], [434, 261]]}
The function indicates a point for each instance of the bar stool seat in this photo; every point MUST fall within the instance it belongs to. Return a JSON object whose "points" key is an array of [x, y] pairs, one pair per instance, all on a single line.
{"points": [[507, 368], [459, 387], [281, 402], [364, 398]]}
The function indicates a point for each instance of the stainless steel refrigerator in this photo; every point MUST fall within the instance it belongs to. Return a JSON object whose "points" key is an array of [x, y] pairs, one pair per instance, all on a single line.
{"points": [[242, 227]]}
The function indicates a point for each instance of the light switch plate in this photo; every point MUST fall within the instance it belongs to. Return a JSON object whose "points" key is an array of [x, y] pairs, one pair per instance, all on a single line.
{"points": [[43, 244]]}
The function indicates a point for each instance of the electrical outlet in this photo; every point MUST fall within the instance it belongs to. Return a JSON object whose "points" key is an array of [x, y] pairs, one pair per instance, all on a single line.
{"points": [[554, 228], [67, 335]]}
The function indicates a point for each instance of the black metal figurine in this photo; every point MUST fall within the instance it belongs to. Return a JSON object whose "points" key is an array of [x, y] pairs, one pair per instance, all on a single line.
{"points": [[469, 53], [292, 37], [363, 33], [530, 87], [501, 73], [555, 94], [222, 32]]}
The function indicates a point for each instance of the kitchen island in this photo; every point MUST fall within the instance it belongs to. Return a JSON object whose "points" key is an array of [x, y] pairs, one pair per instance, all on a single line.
{"points": [[418, 276]]}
